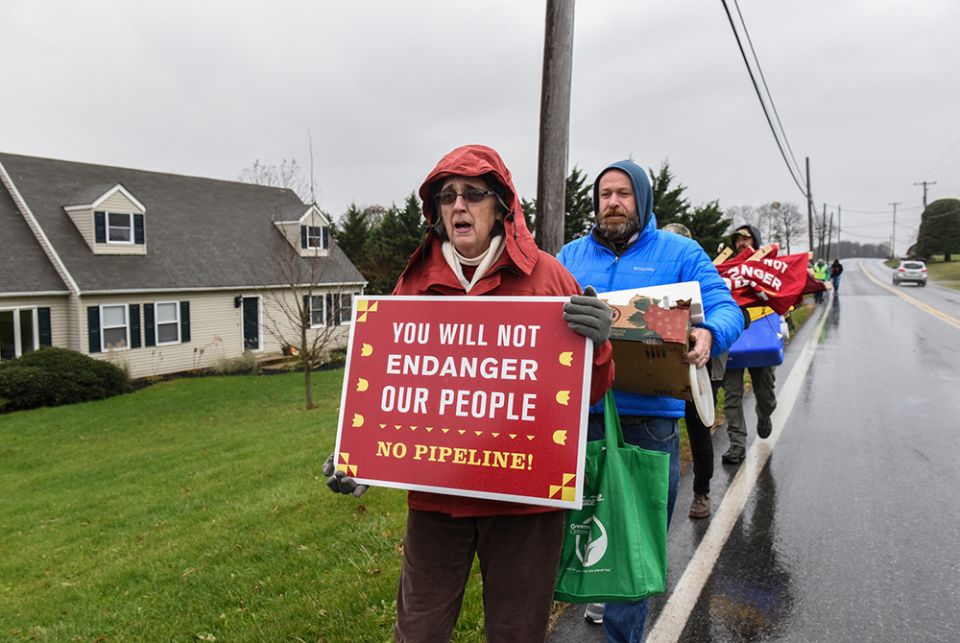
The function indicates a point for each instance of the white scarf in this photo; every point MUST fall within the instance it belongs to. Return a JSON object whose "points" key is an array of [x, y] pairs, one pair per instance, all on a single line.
{"points": [[483, 261]]}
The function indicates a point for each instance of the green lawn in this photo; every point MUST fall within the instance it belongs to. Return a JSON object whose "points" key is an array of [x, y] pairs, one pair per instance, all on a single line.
{"points": [[194, 510], [946, 274]]}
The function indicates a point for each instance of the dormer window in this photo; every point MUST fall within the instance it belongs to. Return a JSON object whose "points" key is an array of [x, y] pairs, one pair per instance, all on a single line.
{"points": [[110, 219], [119, 227], [314, 236]]}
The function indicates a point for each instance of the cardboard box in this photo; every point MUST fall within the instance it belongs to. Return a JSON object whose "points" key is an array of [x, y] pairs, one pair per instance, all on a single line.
{"points": [[649, 343]]}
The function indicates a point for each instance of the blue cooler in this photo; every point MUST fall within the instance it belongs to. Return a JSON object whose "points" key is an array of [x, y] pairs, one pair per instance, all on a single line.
{"points": [[759, 345]]}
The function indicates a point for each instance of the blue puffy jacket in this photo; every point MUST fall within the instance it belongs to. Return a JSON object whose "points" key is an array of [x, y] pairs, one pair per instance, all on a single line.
{"points": [[653, 259]]}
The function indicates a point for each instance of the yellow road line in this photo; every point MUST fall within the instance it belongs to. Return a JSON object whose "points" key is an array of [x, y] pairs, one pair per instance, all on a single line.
{"points": [[953, 321]]}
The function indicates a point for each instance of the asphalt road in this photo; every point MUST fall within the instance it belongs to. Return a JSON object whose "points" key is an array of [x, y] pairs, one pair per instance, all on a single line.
{"points": [[851, 531]]}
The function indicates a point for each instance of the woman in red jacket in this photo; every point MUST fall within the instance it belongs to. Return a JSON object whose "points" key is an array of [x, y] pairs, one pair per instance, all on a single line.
{"points": [[478, 244]]}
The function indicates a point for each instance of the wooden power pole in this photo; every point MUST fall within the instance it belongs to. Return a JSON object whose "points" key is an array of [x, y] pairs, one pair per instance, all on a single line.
{"points": [[554, 125], [809, 209]]}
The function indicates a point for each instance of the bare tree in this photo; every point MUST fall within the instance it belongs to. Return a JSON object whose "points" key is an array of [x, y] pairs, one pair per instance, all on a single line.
{"points": [[288, 174], [786, 222], [304, 316]]}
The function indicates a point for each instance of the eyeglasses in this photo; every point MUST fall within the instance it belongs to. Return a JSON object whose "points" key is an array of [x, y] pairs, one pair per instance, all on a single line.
{"points": [[470, 195]]}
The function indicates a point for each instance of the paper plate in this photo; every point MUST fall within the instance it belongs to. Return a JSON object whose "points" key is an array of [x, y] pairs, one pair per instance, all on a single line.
{"points": [[702, 395]]}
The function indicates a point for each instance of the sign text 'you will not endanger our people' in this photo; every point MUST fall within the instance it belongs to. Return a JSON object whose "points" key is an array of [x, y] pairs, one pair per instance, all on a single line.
{"points": [[434, 402]]}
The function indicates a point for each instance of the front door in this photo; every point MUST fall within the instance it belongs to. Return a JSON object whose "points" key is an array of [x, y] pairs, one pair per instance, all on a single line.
{"points": [[251, 323]]}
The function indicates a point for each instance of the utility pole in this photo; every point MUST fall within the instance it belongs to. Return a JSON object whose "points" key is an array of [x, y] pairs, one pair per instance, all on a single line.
{"points": [[809, 208], [893, 237], [829, 236], [925, 184], [823, 231], [554, 125], [839, 222]]}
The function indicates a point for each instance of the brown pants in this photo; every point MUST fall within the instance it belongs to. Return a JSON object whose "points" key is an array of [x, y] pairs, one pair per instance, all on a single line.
{"points": [[518, 562]]}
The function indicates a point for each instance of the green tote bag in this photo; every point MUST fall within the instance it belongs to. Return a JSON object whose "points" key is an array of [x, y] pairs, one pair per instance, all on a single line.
{"points": [[615, 547]]}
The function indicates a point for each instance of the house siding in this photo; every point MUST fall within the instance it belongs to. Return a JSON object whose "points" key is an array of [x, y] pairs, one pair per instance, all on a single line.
{"points": [[83, 219], [59, 314], [215, 331], [279, 329], [117, 202]]}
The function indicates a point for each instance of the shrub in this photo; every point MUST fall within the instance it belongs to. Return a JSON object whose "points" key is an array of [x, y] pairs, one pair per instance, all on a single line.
{"points": [[55, 376]]}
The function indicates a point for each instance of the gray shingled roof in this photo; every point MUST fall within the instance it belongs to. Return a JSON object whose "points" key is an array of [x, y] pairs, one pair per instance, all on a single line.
{"points": [[200, 233], [24, 267]]}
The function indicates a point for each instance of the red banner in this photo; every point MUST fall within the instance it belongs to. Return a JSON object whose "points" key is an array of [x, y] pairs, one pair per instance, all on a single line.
{"points": [[775, 281], [473, 396]]}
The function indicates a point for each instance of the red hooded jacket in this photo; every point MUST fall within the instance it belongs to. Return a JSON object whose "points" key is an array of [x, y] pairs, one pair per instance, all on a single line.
{"points": [[522, 269]]}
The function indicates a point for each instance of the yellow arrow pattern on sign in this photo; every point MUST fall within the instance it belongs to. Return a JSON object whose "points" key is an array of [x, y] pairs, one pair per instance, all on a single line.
{"points": [[563, 397], [566, 490], [365, 307], [362, 385], [357, 420], [345, 466], [366, 350], [566, 358]]}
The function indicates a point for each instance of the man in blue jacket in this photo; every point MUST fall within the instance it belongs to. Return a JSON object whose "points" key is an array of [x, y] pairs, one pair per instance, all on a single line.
{"points": [[625, 250]]}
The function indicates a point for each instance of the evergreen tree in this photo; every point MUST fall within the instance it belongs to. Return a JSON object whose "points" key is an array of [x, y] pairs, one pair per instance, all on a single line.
{"points": [[351, 235], [668, 202], [708, 225], [391, 243], [578, 205], [939, 229]]}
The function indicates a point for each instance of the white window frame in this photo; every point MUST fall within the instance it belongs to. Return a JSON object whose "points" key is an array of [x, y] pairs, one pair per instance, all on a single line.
{"points": [[157, 322], [106, 222], [322, 309], [17, 343], [345, 320], [317, 237], [126, 326]]}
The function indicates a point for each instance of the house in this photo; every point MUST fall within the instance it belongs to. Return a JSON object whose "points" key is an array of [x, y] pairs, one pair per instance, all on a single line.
{"points": [[162, 273]]}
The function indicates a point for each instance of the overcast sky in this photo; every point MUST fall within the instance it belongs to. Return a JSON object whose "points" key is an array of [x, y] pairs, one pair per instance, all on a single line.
{"points": [[868, 89]]}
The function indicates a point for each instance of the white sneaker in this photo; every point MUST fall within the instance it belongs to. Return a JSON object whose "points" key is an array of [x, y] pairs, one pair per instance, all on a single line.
{"points": [[594, 613]]}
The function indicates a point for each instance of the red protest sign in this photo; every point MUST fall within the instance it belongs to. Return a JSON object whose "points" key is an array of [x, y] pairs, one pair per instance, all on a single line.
{"points": [[774, 281], [473, 396]]}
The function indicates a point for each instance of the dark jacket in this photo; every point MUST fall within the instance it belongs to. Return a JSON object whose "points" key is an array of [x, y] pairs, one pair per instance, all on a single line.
{"points": [[522, 270]]}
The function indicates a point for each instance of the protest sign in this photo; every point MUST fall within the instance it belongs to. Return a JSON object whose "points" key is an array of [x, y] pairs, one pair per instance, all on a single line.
{"points": [[772, 280], [474, 396]]}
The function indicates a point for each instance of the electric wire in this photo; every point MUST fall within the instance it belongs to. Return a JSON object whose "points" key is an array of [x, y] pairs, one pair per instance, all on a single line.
{"points": [[763, 105], [766, 88]]}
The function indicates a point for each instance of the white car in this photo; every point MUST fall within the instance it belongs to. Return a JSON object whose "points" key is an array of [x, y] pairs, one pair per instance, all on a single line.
{"points": [[910, 271]]}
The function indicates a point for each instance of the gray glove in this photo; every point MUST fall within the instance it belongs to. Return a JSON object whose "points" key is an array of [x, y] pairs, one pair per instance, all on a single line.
{"points": [[589, 316], [340, 482]]}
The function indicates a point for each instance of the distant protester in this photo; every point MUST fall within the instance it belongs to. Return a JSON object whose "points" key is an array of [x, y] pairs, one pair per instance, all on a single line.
{"points": [[762, 379], [836, 269], [820, 273]]}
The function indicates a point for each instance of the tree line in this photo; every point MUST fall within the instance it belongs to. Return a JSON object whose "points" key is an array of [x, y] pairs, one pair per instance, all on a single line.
{"points": [[379, 240]]}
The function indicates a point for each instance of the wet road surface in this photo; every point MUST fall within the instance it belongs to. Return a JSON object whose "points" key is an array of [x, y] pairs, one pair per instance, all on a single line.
{"points": [[852, 532]]}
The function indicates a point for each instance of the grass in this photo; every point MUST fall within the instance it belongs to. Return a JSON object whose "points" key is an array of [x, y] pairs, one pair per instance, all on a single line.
{"points": [[192, 510], [946, 274]]}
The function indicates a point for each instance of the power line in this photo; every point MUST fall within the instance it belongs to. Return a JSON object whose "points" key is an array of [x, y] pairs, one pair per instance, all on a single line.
{"points": [[763, 105], [763, 79]]}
